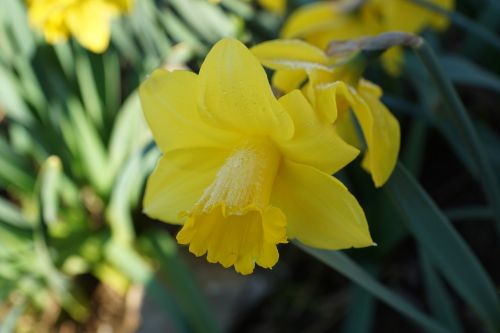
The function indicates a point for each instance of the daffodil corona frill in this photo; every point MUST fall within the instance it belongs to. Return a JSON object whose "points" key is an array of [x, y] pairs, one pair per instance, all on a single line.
{"points": [[241, 170], [321, 22], [89, 21], [333, 86]]}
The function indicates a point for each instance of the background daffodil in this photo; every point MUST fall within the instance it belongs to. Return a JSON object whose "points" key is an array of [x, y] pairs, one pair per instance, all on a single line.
{"points": [[89, 21], [241, 170], [277, 6], [333, 87], [321, 22]]}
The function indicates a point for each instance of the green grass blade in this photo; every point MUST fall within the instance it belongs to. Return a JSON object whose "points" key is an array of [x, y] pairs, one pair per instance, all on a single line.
{"points": [[90, 147], [439, 300], [180, 32], [461, 120], [11, 99], [88, 87], [462, 71], [10, 214], [469, 213], [18, 23], [206, 19], [361, 312], [347, 267], [446, 248], [51, 174]]}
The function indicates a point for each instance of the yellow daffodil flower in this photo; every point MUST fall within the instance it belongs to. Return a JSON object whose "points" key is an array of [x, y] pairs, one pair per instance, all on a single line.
{"points": [[333, 88], [89, 21], [241, 170], [320, 23], [276, 6]]}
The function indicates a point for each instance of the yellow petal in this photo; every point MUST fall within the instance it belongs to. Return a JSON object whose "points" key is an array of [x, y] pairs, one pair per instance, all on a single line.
{"points": [[320, 211], [277, 6], [407, 16], [381, 131], [90, 23], [179, 180], [439, 21], [287, 80], [320, 23], [330, 98], [48, 16], [290, 54], [235, 93], [392, 61], [308, 19], [315, 142], [124, 5], [169, 104], [346, 128]]}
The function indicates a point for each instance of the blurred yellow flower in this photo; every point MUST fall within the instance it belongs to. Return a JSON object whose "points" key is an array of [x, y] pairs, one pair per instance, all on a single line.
{"points": [[276, 6], [89, 21], [241, 170], [321, 22], [333, 87]]}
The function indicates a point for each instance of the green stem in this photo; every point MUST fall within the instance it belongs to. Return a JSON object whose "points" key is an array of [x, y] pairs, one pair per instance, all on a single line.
{"points": [[464, 124]]}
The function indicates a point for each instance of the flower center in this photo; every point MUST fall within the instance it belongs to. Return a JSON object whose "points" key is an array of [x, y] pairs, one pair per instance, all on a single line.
{"points": [[233, 222]]}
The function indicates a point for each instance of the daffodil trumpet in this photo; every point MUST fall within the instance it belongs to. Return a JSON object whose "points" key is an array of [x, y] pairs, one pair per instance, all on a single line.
{"points": [[243, 171]]}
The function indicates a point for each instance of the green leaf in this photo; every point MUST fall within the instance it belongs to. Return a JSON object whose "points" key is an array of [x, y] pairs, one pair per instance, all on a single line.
{"points": [[11, 99], [90, 147], [129, 125], [440, 303], [17, 20], [14, 240], [208, 20], [126, 192], [345, 266], [459, 117], [361, 312], [13, 172], [180, 32], [462, 71], [50, 182], [88, 87], [446, 248], [10, 214]]}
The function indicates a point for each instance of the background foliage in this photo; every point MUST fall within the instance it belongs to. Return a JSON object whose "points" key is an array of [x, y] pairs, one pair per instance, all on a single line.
{"points": [[76, 253]]}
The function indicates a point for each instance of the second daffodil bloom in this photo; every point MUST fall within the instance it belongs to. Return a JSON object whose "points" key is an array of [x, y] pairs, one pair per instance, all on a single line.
{"points": [[242, 171], [89, 21], [321, 22], [334, 86], [276, 6]]}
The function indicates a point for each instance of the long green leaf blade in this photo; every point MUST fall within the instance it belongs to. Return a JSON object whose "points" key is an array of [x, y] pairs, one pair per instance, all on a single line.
{"points": [[445, 246], [345, 266]]}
